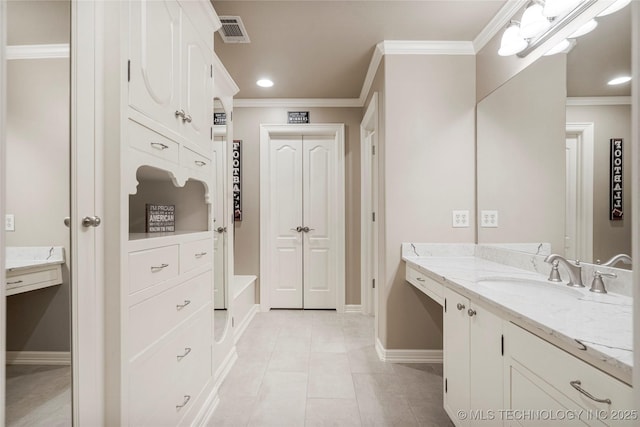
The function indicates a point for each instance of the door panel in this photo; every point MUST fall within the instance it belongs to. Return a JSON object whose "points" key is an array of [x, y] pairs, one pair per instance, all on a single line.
{"points": [[318, 211], [155, 66], [197, 102], [286, 243], [218, 197], [456, 355]]}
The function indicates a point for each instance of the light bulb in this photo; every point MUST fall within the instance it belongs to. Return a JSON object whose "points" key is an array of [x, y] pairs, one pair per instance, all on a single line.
{"points": [[616, 6], [511, 42], [558, 48], [586, 28], [553, 8], [533, 22]]}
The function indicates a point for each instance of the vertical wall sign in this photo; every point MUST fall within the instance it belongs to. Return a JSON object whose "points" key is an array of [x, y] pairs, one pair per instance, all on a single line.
{"points": [[617, 160], [237, 180]]}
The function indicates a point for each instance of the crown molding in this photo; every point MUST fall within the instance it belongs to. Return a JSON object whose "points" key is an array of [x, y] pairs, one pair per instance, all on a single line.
{"points": [[229, 82], [38, 51], [428, 47], [497, 23], [598, 100], [297, 102], [376, 59]]}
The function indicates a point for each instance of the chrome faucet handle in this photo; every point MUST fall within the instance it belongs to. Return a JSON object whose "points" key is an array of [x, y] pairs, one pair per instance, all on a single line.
{"points": [[597, 285], [554, 275]]}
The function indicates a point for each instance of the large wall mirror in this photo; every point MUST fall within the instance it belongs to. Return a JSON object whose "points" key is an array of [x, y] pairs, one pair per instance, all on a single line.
{"points": [[543, 148], [220, 223], [38, 333]]}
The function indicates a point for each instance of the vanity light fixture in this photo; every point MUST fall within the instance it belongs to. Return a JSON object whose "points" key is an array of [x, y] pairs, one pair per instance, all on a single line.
{"points": [[512, 42], [586, 28], [616, 6], [264, 83], [560, 12], [619, 80], [533, 22]]}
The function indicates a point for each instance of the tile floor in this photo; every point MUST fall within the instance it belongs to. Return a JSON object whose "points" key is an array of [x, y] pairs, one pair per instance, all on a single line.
{"points": [[318, 368], [38, 395]]}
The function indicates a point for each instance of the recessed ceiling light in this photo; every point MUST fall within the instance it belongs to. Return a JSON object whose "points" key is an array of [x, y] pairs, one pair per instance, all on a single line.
{"points": [[619, 80], [264, 83]]}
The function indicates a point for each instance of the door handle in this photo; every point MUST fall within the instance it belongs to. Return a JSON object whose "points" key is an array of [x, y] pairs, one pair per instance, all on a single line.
{"points": [[221, 229], [91, 221], [307, 229], [298, 229]]}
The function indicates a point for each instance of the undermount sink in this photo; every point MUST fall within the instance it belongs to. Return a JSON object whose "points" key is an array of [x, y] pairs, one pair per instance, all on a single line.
{"points": [[523, 286]]}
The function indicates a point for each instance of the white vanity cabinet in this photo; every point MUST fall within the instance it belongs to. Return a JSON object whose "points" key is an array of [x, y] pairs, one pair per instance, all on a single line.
{"points": [[159, 293], [541, 377], [170, 68], [473, 361]]}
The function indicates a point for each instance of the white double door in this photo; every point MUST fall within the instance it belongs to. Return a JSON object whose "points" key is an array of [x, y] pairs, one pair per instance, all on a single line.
{"points": [[304, 222]]}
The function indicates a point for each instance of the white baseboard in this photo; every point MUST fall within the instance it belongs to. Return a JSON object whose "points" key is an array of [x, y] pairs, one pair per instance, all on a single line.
{"points": [[224, 368], [39, 358], [204, 418], [242, 326], [408, 356], [353, 308]]}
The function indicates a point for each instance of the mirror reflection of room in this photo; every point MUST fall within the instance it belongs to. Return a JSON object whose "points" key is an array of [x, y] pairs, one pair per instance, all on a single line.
{"points": [[38, 338], [553, 150]]}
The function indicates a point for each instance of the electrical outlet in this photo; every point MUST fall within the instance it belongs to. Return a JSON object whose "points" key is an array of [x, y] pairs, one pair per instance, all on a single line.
{"points": [[489, 219], [460, 219], [9, 222]]}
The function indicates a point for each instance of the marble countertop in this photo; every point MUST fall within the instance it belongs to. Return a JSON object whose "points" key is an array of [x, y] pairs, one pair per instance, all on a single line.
{"points": [[25, 257], [599, 325]]}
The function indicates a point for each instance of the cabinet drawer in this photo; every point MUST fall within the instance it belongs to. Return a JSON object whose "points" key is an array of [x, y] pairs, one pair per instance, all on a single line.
{"points": [[557, 368], [38, 277], [195, 254], [427, 285], [144, 139], [151, 319], [166, 382], [149, 267], [195, 162]]}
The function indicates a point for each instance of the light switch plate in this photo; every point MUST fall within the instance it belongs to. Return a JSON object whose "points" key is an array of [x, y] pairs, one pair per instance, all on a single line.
{"points": [[489, 219], [9, 222], [460, 219]]}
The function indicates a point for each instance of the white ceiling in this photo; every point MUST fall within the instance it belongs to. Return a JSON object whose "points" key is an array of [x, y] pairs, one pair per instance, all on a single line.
{"points": [[322, 48]]}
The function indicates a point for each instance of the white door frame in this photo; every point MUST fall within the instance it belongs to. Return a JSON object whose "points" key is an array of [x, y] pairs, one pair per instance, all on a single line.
{"points": [[3, 301], [584, 132], [87, 190], [368, 185], [266, 131]]}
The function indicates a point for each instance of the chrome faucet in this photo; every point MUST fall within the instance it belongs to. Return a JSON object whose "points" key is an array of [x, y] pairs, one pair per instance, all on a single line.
{"points": [[574, 269], [624, 258]]}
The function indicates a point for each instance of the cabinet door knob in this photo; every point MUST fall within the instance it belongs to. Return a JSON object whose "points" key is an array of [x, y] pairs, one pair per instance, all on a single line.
{"points": [[471, 312], [91, 221], [187, 118], [180, 113], [460, 306]]}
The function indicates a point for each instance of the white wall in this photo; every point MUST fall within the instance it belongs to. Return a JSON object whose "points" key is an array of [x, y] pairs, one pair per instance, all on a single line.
{"points": [[427, 170]]}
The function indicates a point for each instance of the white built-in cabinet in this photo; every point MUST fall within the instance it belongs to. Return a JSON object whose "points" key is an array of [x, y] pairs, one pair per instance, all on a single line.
{"points": [[159, 150], [473, 360], [498, 373]]}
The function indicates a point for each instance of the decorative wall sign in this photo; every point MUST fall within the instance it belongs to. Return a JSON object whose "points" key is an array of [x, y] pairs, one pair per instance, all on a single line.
{"points": [[237, 180], [160, 218], [219, 119], [297, 117], [616, 189]]}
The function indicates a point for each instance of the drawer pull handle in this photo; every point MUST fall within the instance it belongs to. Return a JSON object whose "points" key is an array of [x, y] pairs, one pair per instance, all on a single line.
{"points": [[14, 283], [200, 163], [419, 279], [187, 350], [576, 384], [471, 312], [460, 306], [201, 254], [186, 400], [159, 145], [181, 306], [155, 268]]}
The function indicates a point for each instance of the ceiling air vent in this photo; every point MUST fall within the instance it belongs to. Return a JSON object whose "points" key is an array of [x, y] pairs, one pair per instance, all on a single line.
{"points": [[233, 30]]}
